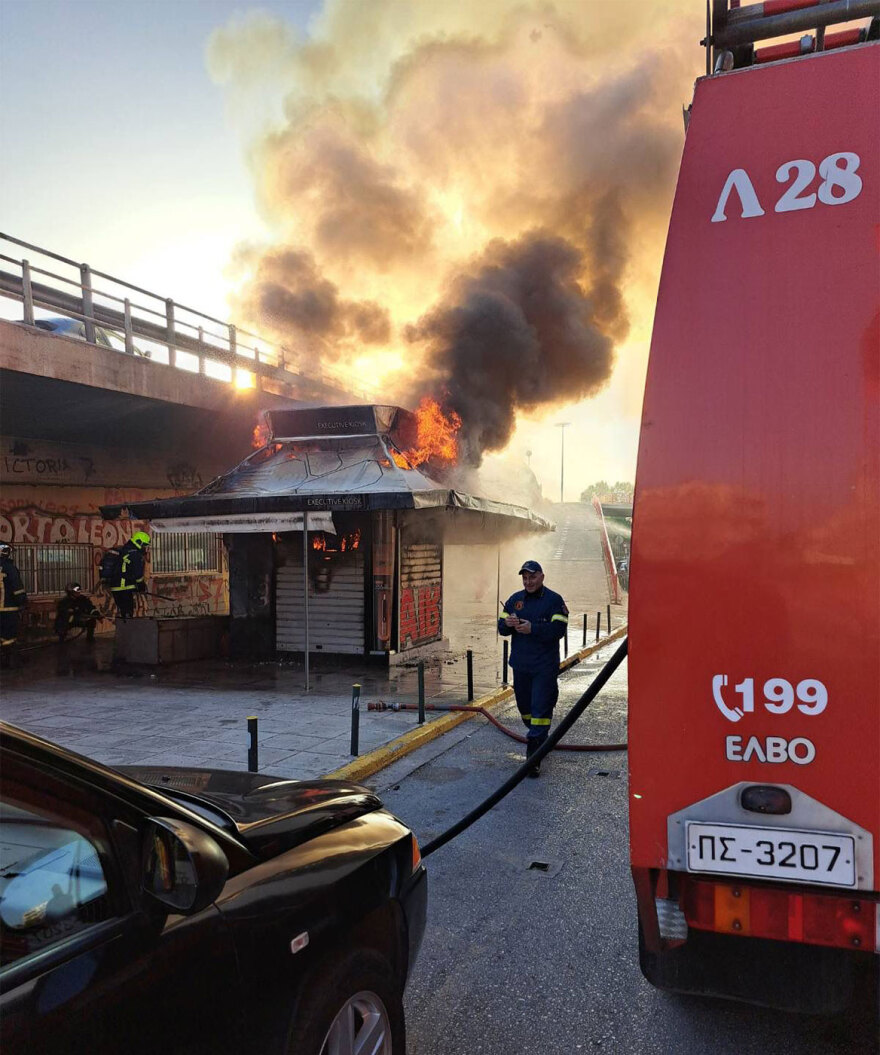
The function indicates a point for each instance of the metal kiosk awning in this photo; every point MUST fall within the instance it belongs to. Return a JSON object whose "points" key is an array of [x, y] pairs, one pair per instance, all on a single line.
{"points": [[332, 459]]}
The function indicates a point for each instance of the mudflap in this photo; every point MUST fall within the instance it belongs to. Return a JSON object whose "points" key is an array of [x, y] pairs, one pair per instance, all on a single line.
{"points": [[786, 976]]}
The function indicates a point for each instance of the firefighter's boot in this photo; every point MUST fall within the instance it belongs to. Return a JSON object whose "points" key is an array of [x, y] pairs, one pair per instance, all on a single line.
{"points": [[531, 747]]}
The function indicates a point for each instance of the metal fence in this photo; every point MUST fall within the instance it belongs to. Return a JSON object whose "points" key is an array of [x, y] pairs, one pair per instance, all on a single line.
{"points": [[111, 311], [46, 569], [178, 551]]}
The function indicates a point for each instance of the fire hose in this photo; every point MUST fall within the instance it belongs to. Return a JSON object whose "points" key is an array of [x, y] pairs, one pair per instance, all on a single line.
{"points": [[567, 722], [475, 709], [46, 644]]}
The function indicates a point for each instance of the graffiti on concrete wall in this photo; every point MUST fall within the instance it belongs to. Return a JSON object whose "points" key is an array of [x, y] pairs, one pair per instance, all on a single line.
{"points": [[188, 595], [48, 463], [19, 464], [184, 477], [77, 521], [48, 527]]}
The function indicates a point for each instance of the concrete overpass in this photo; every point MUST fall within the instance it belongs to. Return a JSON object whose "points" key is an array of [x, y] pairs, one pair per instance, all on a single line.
{"points": [[88, 421], [66, 390]]}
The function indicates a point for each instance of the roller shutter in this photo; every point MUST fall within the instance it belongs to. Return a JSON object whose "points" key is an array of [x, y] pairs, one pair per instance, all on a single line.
{"points": [[336, 606], [421, 591]]}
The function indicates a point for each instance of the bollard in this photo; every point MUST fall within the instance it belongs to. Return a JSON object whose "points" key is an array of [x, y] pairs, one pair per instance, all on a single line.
{"points": [[608, 611], [253, 759], [355, 716], [421, 692], [505, 652], [598, 624], [584, 645], [470, 674]]}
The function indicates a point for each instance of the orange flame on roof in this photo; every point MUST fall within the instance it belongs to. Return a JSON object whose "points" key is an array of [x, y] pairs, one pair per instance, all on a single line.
{"points": [[436, 437], [260, 435], [319, 542]]}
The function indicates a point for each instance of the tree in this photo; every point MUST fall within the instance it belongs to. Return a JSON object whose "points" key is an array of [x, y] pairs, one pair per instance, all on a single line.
{"points": [[605, 491], [600, 487]]}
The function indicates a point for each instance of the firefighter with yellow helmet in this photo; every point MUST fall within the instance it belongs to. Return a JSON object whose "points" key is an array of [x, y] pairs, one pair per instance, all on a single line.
{"points": [[124, 571]]}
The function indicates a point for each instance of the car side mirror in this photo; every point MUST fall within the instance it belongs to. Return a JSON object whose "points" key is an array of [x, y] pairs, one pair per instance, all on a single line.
{"points": [[183, 867]]}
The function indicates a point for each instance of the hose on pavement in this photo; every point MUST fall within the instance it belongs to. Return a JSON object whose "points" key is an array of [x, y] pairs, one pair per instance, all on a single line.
{"points": [[567, 722]]}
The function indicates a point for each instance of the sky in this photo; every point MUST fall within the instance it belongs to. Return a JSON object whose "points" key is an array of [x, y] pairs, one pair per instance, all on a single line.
{"points": [[360, 178]]}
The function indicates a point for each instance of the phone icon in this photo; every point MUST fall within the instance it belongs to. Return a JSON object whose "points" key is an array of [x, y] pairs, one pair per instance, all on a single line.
{"points": [[732, 714]]}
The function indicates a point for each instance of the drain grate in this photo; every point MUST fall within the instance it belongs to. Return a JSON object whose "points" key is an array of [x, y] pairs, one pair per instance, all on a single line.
{"points": [[543, 868]]}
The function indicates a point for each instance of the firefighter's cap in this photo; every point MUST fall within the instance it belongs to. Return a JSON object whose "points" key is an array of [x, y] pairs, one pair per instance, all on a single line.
{"points": [[531, 566]]}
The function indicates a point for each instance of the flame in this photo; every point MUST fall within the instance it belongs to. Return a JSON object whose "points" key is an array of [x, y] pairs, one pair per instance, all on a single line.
{"points": [[260, 435], [351, 541], [347, 542], [436, 434], [399, 460]]}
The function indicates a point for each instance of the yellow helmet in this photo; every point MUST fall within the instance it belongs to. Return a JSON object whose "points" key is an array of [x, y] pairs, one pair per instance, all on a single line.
{"points": [[140, 539]]}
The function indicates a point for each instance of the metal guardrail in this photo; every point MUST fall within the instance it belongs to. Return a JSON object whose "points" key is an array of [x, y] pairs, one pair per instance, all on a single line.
{"points": [[180, 336]]}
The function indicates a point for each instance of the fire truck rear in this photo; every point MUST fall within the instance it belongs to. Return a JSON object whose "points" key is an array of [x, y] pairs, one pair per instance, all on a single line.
{"points": [[754, 670]]}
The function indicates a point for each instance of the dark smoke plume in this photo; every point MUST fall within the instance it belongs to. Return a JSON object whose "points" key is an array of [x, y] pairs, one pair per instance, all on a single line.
{"points": [[521, 332], [466, 198], [292, 298]]}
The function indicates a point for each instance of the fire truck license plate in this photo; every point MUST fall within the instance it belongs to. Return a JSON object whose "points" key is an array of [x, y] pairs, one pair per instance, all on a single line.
{"points": [[771, 853]]}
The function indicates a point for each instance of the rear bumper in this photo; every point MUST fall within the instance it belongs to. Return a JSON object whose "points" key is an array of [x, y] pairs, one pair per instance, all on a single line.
{"points": [[793, 975]]}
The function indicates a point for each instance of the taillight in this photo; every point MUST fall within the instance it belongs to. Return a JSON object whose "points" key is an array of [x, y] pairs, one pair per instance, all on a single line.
{"points": [[838, 920], [416, 853]]}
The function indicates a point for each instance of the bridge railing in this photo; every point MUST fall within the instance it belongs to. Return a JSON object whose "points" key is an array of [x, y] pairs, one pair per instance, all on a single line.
{"points": [[134, 320]]}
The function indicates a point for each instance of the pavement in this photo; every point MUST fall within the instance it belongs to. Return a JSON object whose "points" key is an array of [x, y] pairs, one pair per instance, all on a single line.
{"points": [[195, 714]]}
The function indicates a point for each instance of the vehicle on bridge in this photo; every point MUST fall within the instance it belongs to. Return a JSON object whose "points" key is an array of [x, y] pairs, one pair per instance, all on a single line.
{"points": [[76, 328], [754, 648]]}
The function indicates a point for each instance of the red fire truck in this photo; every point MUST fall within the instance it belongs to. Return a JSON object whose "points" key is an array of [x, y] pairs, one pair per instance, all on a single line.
{"points": [[754, 645]]}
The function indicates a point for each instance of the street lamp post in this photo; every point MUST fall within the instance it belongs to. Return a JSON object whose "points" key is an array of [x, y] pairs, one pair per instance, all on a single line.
{"points": [[562, 425]]}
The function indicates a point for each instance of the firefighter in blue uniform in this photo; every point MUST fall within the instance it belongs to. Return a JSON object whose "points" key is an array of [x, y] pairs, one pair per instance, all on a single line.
{"points": [[12, 600], [536, 618]]}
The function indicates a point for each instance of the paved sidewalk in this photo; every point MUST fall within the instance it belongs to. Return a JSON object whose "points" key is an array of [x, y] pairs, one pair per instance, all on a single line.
{"points": [[196, 714]]}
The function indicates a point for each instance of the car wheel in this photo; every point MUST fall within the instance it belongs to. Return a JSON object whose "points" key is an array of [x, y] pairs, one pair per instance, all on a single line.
{"points": [[352, 1005]]}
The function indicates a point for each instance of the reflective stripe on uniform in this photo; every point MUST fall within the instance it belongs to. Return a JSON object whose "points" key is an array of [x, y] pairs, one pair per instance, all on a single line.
{"points": [[116, 589], [7, 641], [15, 608], [560, 618], [541, 721]]}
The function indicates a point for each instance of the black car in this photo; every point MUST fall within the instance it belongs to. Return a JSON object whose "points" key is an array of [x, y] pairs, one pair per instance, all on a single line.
{"points": [[181, 910]]}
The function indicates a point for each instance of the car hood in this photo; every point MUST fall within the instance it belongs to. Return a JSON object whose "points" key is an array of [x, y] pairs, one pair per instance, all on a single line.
{"points": [[270, 814]]}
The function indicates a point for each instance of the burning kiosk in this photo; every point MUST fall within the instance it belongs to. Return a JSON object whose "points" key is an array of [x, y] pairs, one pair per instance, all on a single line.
{"points": [[335, 532]]}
